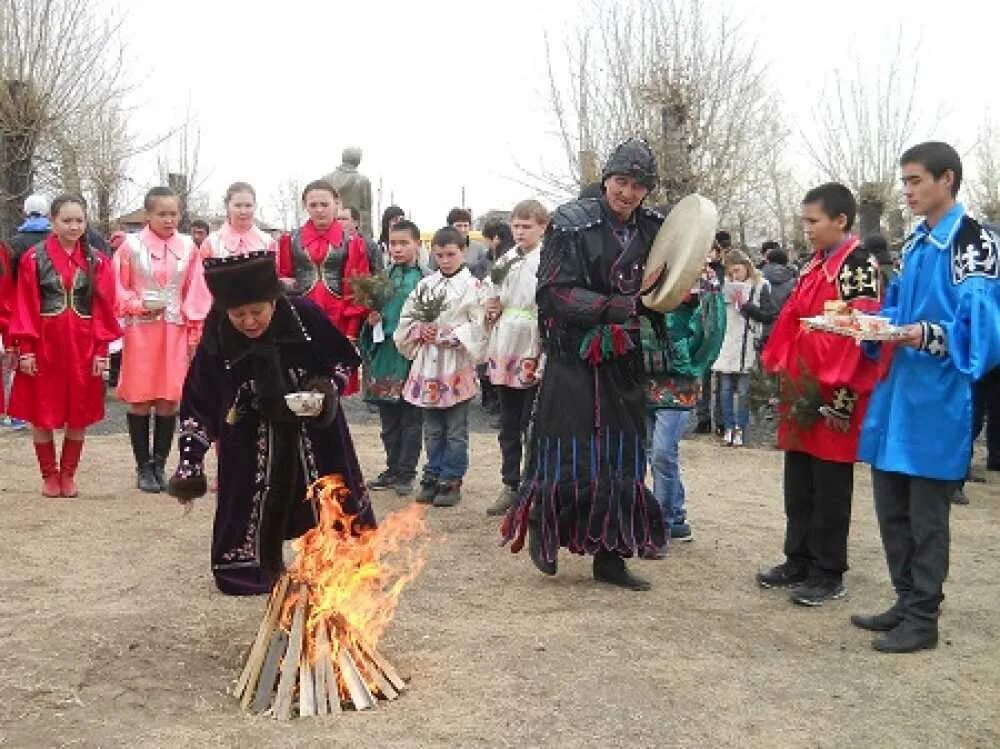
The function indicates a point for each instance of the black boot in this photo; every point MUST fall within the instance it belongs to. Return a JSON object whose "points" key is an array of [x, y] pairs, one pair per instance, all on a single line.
{"points": [[535, 549], [884, 622], [610, 568], [138, 431], [907, 638], [163, 439]]}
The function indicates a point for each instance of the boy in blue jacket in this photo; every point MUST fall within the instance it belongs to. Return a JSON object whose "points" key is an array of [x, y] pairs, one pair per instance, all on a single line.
{"points": [[918, 429]]}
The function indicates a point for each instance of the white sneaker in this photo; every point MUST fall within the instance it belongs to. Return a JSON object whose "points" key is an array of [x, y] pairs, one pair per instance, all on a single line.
{"points": [[727, 437], [737, 438]]}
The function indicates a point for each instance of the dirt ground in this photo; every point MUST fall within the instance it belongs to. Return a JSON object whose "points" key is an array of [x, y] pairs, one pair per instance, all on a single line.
{"points": [[114, 635]]}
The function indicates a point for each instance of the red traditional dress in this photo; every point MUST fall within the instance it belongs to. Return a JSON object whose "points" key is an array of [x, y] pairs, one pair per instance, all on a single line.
{"points": [[820, 368], [322, 264], [63, 314], [155, 351], [6, 304]]}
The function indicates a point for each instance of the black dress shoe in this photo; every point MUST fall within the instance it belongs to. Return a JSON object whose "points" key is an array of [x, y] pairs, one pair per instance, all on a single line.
{"points": [[884, 622], [610, 568], [906, 638], [535, 551]]}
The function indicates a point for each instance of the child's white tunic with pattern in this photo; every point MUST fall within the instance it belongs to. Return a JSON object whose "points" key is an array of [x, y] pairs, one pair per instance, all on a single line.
{"points": [[443, 374], [515, 346]]}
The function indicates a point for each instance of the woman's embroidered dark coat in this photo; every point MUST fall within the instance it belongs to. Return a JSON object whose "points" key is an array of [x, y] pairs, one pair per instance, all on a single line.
{"points": [[585, 481], [234, 394]]}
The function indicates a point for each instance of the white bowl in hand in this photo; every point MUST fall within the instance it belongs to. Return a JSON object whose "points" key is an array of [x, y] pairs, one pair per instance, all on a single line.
{"points": [[305, 403]]}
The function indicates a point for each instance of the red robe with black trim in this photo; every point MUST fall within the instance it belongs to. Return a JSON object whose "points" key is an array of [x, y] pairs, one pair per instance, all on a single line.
{"points": [[802, 356], [6, 304], [65, 392]]}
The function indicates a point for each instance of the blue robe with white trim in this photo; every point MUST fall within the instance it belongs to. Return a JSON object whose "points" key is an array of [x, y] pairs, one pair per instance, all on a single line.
{"points": [[919, 420]]}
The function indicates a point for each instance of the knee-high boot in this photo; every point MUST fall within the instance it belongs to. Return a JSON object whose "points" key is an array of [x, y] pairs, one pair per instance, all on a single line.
{"points": [[138, 431], [163, 438], [46, 454], [68, 462]]}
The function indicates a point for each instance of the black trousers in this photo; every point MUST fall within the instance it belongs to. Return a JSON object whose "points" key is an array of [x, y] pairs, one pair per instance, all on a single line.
{"points": [[490, 397], [402, 435], [818, 513], [986, 408], [515, 414], [913, 519]]}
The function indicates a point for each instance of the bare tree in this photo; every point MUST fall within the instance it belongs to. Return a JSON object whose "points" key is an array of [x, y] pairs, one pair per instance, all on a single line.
{"points": [[287, 204], [685, 80], [57, 62], [986, 187], [866, 118], [180, 169]]}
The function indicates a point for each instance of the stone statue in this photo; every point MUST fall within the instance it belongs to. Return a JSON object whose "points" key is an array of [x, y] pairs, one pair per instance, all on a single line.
{"points": [[354, 188]]}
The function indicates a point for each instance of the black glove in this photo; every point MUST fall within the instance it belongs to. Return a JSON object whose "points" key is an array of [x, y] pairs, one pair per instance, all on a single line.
{"points": [[187, 487], [331, 399]]}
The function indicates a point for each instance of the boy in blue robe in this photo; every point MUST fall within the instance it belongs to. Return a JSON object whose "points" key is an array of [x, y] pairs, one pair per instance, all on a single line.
{"points": [[918, 429]]}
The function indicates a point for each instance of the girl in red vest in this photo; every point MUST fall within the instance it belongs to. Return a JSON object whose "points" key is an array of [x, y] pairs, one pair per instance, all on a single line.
{"points": [[318, 261], [62, 322]]}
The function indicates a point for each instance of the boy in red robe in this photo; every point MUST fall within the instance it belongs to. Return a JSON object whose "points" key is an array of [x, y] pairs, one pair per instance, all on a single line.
{"points": [[826, 382]]}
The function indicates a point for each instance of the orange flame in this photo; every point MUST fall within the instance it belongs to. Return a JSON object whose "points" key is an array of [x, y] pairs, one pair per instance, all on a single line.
{"points": [[354, 578]]}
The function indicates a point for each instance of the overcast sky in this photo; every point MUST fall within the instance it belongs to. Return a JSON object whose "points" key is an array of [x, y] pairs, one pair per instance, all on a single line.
{"points": [[442, 94]]}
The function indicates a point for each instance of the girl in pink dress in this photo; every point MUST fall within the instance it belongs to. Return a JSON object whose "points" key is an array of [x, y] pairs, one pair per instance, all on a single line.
{"points": [[163, 307], [238, 235]]}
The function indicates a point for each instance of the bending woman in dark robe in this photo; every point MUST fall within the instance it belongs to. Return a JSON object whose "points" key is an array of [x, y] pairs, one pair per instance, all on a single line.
{"points": [[258, 346]]}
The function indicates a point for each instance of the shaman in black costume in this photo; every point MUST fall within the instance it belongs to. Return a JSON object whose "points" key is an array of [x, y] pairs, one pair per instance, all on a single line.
{"points": [[585, 484], [235, 394]]}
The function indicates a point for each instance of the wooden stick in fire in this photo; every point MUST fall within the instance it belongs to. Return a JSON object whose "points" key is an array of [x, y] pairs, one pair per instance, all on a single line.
{"points": [[290, 664], [255, 660]]}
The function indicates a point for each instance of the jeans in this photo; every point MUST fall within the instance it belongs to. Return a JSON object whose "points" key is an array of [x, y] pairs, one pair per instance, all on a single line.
{"points": [[735, 414], [913, 520], [515, 413], [666, 429], [446, 442], [402, 427]]}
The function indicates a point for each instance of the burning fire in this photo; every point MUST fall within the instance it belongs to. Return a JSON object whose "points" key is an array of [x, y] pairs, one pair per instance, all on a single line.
{"points": [[354, 579]]}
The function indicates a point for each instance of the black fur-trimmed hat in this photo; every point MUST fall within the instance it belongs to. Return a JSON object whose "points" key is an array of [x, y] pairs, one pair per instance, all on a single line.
{"points": [[243, 279], [633, 158]]}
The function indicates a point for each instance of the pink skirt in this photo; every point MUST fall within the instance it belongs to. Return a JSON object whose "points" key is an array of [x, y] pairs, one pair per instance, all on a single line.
{"points": [[154, 362]]}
